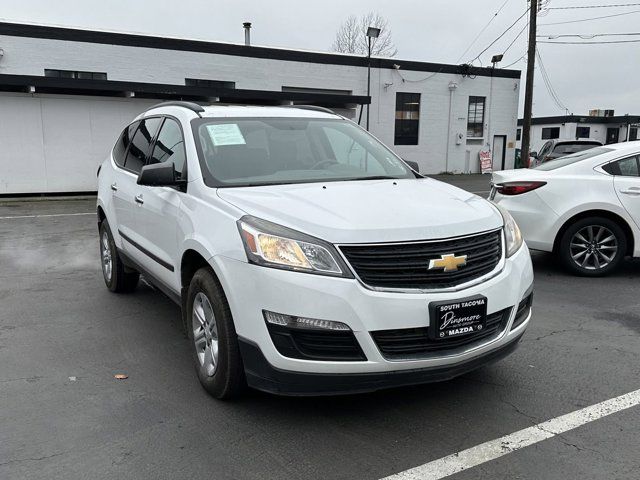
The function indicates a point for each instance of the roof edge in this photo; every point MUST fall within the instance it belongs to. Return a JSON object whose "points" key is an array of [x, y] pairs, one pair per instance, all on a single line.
{"points": [[203, 46]]}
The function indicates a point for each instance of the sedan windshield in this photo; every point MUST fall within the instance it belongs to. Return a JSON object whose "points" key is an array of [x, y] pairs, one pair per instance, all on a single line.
{"points": [[571, 159], [267, 151]]}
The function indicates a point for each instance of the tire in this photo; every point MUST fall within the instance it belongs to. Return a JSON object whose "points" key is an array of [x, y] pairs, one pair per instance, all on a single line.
{"points": [[116, 276], [209, 321], [593, 247]]}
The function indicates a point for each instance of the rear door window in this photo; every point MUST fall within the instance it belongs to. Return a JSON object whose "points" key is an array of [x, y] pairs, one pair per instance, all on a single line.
{"points": [[139, 148], [120, 149], [169, 147]]}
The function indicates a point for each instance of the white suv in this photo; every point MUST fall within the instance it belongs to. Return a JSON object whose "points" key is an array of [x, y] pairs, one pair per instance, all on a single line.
{"points": [[306, 256]]}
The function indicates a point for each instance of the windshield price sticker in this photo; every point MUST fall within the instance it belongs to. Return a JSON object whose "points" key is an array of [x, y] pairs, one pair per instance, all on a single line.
{"points": [[226, 134]]}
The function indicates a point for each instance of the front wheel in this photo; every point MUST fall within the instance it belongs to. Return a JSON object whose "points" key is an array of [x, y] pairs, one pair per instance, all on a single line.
{"points": [[116, 276], [593, 246], [213, 338]]}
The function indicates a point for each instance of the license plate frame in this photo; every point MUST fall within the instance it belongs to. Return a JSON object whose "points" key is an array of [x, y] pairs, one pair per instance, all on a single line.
{"points": [[457, 318]]}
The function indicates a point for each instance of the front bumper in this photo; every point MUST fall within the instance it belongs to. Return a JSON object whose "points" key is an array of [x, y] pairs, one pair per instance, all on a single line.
{"points": [[263, 376], [250, 289]]}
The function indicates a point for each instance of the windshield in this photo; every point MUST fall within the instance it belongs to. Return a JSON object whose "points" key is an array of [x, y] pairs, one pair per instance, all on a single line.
{"points": [[571, 159], [266, 151]]}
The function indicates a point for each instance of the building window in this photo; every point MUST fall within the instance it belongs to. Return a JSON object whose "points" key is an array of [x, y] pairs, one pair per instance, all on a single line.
{"points": [[583, 132], [74, 74], [633, 134], [549, 133], [202, 82], [518, 135], [475, 117], [407, 118]]}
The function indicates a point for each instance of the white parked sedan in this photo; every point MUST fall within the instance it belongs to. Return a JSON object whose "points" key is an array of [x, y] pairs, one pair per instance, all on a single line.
{"points": [[585, 207]]}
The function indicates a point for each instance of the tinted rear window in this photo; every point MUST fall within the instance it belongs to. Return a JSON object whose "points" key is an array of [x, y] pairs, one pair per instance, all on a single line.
{"points": [[573, 158], [567, 148]]}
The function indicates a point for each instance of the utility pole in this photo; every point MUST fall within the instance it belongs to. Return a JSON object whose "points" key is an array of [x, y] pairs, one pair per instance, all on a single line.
{"points": [[528, 94]]}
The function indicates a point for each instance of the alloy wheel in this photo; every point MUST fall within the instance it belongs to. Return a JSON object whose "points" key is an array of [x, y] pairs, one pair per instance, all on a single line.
{"points": [[205, 333], [593, 247], [107, 260]]}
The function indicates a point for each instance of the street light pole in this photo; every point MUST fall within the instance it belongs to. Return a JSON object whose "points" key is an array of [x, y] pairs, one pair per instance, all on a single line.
{"points": [[368, 80], [372, 32]]}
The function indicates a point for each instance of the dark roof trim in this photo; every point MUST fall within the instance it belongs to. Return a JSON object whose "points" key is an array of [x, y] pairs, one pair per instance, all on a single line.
{"points": [[71, 86], [582, 119], [131, 40]]}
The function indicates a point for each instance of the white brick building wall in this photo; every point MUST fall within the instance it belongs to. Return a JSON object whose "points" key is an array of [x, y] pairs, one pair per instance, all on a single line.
{"points": [[54, 143]]}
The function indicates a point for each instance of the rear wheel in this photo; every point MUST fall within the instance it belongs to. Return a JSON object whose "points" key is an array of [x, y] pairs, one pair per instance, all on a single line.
{"points": [[214, 342], [116, 276], [593, 246]]}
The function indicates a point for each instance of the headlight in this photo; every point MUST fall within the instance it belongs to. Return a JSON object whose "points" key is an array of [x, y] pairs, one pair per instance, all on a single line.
{"points": [[272, 245], [511, 232]]}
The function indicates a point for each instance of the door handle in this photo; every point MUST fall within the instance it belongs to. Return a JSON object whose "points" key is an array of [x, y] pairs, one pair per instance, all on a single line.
{"points": [[631, 191], [114, 187], [139, 199]]}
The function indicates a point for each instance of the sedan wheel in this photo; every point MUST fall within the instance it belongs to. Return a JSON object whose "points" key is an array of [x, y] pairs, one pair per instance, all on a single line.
{"points": [[593, 246]]}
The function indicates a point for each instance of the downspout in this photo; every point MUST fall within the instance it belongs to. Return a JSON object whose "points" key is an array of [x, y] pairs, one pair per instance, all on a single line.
{"points": [[452, 89]]}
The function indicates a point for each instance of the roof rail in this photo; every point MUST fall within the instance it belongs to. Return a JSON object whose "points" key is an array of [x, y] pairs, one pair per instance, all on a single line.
{"points": [[312, 107], [194, 107]]}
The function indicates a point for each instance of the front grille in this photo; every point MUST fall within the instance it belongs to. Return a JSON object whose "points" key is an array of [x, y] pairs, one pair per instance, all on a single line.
{"points": [[524, 307], [310, 344], [405, 265], [411, 343]]}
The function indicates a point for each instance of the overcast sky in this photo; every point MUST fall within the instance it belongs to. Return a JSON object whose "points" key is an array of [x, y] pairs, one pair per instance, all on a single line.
{"points": [[583, 76]]}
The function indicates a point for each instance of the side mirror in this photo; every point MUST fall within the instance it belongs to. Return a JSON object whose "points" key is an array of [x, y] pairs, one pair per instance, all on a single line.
{"points": [[159, 175], [533, 154], [413, 165]]}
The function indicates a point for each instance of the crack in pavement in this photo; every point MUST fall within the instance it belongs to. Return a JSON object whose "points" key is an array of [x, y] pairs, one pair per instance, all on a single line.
{"points": [[31, 459]]}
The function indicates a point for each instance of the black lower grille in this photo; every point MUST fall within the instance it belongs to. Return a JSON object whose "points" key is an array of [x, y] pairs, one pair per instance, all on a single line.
{"points": [[415, 342], [311, 344], [406, 265], [523, 311]]}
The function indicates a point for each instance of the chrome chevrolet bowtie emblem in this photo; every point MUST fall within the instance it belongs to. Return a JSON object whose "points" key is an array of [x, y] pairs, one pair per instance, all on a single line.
{"points": [[449, 262]]}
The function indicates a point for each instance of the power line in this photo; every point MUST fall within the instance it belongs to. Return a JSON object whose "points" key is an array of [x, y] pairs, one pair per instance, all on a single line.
{"points": [[589, 19], [597, 6], [512, 64], [589, 36], [482, 31], [517, 37], [500, 36], [590, 43], [549, 85]]}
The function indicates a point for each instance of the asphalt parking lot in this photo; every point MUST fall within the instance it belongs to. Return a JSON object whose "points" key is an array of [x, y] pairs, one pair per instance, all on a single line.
{"points": [[63, 337]]}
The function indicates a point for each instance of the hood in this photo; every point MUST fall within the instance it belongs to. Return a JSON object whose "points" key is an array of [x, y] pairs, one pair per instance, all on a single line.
{"points": [[369, 210]]}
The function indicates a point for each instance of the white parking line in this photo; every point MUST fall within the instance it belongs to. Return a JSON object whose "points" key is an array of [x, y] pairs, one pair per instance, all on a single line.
{"points": [[493, 449], [48, 215]]}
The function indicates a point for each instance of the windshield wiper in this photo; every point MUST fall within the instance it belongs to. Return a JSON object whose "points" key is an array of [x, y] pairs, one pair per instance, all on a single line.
{"points": [[373, 177]]}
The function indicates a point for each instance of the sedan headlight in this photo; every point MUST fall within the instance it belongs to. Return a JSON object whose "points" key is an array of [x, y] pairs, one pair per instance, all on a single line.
{"points": [[272, 245], [511, 232]]}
